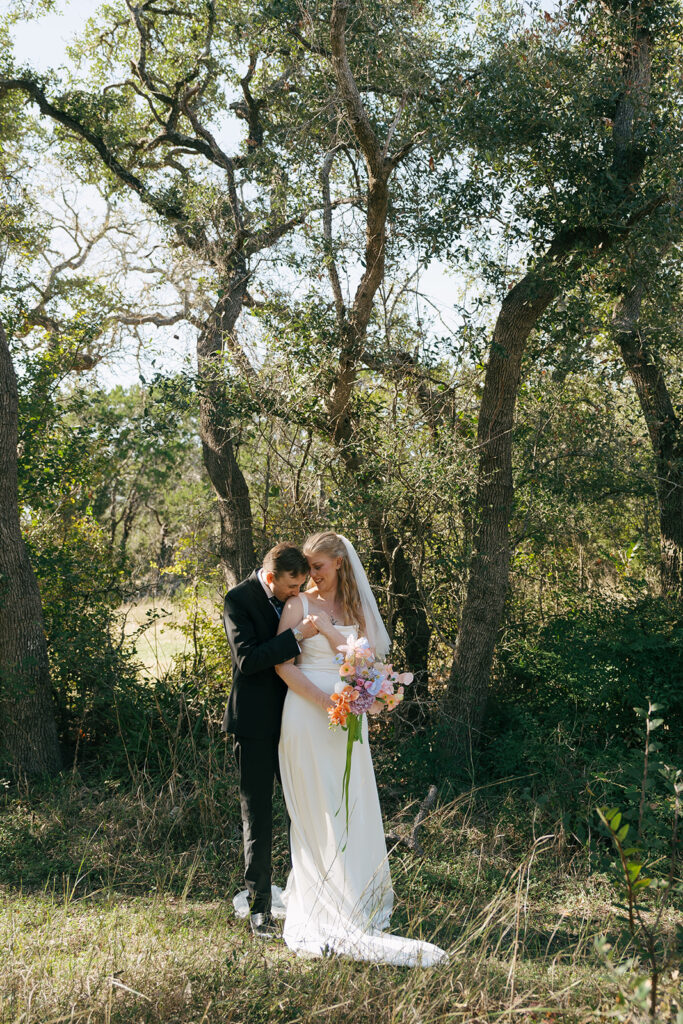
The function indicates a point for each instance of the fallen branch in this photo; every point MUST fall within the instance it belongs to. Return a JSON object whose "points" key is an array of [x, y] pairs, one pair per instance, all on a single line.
{"points": [[412, 841]]}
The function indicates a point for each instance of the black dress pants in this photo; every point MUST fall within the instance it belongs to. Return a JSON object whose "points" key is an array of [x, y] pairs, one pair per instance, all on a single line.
{"points": [[258, 767]]}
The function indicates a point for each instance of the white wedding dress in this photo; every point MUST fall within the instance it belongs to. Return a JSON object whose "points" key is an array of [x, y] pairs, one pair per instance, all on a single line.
{"points": [[338, 896]]}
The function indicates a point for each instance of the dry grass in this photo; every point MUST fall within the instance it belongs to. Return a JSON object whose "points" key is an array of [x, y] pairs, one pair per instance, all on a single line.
{"points": [[115, 900], [137, 925], [154, 623]]}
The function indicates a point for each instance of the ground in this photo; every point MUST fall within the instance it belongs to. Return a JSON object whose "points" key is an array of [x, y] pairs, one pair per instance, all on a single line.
{"points": [[117, 907]]}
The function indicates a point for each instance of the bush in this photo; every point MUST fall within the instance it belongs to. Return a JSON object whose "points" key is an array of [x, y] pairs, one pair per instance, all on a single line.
{"points": [[587, 671], [563, 711], [91, 668]]}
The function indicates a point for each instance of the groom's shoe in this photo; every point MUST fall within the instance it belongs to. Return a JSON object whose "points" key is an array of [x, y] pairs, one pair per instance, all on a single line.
{"points": [[263, 927]]}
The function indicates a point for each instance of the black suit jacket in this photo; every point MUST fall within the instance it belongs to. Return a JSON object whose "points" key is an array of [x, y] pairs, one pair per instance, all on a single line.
{"points": [[257, 695]]}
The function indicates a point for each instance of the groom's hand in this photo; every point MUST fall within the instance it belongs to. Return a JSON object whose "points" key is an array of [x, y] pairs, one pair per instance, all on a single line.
{"points": [[308, 627]]}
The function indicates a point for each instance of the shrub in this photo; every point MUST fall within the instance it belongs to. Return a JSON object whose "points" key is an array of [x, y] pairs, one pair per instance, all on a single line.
{"points": [[91, 668], [563, 710], [587, 671]]}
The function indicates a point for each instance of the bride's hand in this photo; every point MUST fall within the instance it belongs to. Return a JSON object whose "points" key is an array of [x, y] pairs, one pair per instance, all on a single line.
{"points": [[321, 621], [308, 627]]}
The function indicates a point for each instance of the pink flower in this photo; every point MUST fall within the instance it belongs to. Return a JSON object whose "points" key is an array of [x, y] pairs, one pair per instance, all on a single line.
{"points": [[346, 669]]}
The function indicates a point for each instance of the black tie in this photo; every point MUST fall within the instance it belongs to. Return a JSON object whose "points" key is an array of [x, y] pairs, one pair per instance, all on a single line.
{"points": [[277, 604]]}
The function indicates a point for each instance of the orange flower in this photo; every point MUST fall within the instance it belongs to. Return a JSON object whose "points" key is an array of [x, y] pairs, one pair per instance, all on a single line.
{"points": [[337, 715], [342, 705], [392, 700]]}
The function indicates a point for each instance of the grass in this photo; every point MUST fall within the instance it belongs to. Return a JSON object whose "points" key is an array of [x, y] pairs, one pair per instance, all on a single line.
{"points": [[154, 624], [116, 907], [116, 885], [162, 958]]}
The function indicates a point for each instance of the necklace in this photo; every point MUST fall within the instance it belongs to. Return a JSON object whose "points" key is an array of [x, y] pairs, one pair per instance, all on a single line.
{"points": [[333, 619], [330, 604]]}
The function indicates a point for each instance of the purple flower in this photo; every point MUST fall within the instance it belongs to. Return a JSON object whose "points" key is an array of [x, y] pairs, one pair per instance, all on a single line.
{"points": [[363, 701]]}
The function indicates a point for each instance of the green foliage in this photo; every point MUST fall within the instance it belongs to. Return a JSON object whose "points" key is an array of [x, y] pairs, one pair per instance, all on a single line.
{"points": [[206, 664], [637, 843], [81, 590], [562, 715], [89, 461], [587, 671]]}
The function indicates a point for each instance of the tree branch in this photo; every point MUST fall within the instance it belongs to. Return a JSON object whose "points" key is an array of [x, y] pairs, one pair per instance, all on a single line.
{"points": [[412, 841], [327, 233], [393, 126], [268, 236], [311, 47], [157, 319], [169, 210], [358, 118], [219, 157]]}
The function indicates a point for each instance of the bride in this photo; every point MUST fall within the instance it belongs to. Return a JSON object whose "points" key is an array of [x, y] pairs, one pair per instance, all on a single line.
{"points": [[338, 896]]}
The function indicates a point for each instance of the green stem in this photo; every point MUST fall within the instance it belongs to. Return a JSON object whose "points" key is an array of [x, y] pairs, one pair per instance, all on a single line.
{"points": [[354, 728]]}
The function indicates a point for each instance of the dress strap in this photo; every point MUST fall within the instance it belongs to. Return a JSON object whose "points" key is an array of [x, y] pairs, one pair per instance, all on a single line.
{"points": [[304, 601]]}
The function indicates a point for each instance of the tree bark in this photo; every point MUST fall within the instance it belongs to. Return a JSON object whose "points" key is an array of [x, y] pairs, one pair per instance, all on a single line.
{"points": [[128, 518], [465, 702], [409, 610], [28, 733], [482, 616], [666, 436], [353, 324], [216, 428]]}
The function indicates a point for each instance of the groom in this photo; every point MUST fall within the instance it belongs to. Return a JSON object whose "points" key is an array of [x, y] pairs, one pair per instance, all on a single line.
{"points": [[251, 616]]}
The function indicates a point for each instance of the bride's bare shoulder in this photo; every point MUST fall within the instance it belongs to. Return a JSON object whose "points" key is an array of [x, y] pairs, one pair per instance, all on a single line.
{"points": [[295, 603]]}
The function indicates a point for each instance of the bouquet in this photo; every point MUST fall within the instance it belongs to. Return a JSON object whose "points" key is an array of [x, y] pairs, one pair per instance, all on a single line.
{"points": [[366, 681]]}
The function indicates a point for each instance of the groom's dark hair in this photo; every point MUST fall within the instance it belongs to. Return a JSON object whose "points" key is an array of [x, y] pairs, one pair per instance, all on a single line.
{"points": [[285, 557]]}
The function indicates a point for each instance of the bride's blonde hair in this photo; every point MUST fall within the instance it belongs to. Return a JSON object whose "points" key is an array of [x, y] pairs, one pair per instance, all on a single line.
{"points": [[330, 543]]}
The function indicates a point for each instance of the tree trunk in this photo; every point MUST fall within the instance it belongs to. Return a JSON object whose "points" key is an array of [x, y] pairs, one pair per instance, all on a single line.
{"points": [[236, 547], [664, 428], [353, 325], [482, 613], [406, 605], [28, 733], [416, 631], [165, 551], [128, 518]]}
